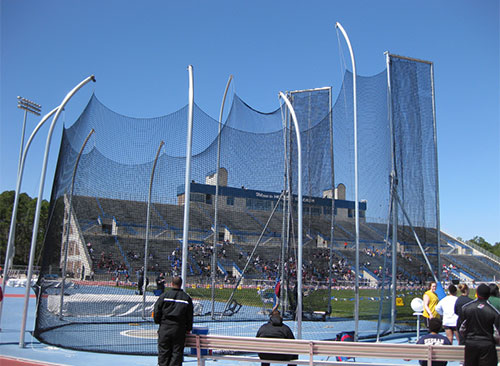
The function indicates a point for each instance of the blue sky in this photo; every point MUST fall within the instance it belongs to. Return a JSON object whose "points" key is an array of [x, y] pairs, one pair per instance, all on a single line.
{"points": [[139, 52]]}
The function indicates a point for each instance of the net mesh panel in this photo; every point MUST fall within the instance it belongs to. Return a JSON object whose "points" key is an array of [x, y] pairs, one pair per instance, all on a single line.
{"points": [[101, 309], [415, 158]]}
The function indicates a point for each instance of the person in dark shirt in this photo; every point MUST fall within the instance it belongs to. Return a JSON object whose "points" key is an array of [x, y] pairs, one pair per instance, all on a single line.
{"points": [[173, 311], [160, 283], [140, 281], [494, 296], [275, 328], [478, 327], [434, 339], [461, 301]]}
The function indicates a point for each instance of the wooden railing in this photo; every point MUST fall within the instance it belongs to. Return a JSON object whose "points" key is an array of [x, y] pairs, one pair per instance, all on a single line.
{"points": [[312, 349]]}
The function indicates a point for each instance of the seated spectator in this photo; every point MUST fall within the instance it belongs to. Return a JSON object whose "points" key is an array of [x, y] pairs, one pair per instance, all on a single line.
{"points": [[434, 339], [275, 328]]}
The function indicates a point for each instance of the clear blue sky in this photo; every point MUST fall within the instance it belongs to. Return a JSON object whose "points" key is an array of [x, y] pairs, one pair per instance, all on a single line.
{"points": [[139, 52]]}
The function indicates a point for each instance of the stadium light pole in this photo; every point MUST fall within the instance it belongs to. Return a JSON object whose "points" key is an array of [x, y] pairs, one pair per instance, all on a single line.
{"points": [[299, 231], [68, 225], [28, 106], [148, 215], [216, 205], [187, 182], [12, 230], [39, 204], [356, 201]]}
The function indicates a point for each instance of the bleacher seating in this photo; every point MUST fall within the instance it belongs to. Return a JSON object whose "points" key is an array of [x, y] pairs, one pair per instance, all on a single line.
{"points": [[125, 246]]}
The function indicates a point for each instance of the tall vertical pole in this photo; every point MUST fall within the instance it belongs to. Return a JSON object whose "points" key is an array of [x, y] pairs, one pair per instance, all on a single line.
{"points": [[284, 280], [394, 187], [356, 200], [438, 220], [21, 147], [332, 219], [299, 209], [148, 215], [216, 205], [39, 205], [68, 225], [187, 182], [12, 230], [31, 107]]}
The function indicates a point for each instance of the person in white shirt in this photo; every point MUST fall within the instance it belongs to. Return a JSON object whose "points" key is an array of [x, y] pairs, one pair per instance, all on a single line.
{"points": [[446, 308]]}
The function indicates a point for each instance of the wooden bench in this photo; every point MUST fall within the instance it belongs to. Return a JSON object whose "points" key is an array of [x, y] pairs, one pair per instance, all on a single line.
{"points": [[312, 348]]}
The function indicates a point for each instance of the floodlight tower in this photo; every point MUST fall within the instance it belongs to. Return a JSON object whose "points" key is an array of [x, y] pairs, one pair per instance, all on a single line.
{"points": [[28, 106], [32, 107], [12, 231]]}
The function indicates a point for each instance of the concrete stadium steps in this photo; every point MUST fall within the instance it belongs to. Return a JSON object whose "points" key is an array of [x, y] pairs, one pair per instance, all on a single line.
{"points": [[103, 243], [474, 266], [86, 207]]}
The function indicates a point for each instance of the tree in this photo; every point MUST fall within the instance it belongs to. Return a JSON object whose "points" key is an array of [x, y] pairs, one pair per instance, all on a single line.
{"points": [[481, 242], [24, 225]]}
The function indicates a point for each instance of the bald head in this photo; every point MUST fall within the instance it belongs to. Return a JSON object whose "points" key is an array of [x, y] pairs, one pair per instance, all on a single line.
{"points": [[177, 282]]}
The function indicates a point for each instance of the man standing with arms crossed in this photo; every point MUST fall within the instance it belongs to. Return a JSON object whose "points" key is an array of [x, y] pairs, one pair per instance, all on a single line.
{"points": [[174, 312]]}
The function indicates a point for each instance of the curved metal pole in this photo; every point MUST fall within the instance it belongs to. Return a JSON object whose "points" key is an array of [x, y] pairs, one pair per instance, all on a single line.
{"points": [[145, 272], [356, 201], [332, 218], [12, 230], [187, 182], [393, 202], [68, 225], [39, 205], [299, 249], [216, 205]]}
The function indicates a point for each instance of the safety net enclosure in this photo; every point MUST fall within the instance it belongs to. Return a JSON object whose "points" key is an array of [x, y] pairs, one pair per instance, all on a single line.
{"points": [[118, 205]]}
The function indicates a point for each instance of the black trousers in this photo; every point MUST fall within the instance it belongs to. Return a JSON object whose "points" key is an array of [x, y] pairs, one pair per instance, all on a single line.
{"points": [[480, 354], [171, 349]]}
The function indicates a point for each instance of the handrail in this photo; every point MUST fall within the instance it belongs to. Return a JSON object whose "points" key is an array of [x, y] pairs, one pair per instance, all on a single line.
{"points": [[325, 348], [489, 254]]}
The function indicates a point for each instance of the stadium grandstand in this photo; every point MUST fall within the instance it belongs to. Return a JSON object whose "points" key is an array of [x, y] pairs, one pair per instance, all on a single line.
{"points": [[106, 229]]}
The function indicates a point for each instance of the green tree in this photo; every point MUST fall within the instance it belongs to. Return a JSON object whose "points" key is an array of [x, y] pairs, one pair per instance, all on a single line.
{"points": [[24, 225], [480, 241], [496, 249]]}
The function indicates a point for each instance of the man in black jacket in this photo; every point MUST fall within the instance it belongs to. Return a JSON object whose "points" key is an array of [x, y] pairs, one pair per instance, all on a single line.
{"points": [[480, 318], [275, 328], [174, 312]]}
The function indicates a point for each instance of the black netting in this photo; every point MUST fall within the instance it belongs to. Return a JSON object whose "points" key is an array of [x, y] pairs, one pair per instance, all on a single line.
{"points": [[415, 157], [101, 309]]}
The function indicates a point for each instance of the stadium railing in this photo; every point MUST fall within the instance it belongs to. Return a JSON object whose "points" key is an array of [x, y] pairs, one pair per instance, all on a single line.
{"points": [[310, 348], [489, 254]]}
